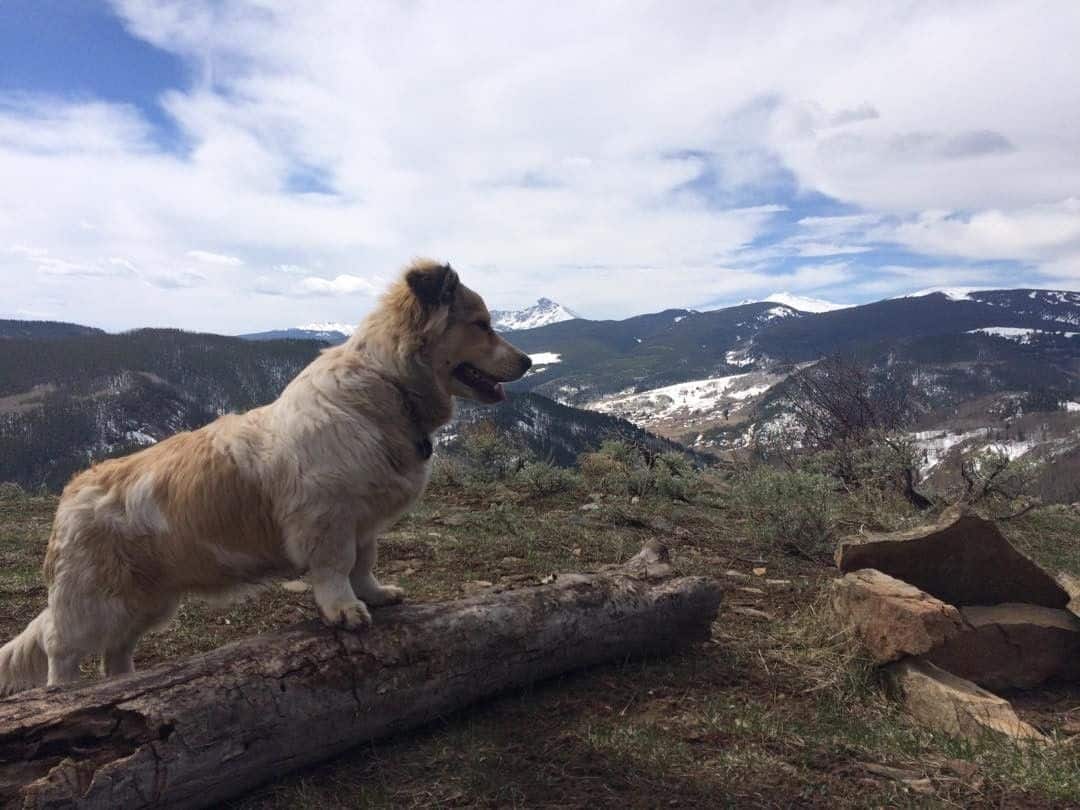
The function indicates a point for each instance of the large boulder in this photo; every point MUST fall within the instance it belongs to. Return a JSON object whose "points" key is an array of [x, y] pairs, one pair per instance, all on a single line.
{"points": [[892, 618], [962, 560], [1071, 584], [949, 703], [1012, 646]]}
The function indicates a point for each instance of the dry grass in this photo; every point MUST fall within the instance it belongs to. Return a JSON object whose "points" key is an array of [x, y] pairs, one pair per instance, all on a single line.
{"points": [[773, 711]]}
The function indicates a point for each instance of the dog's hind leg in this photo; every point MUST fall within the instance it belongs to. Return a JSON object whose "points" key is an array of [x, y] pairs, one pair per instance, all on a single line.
{"points": [[118, 660], [364, 583]]}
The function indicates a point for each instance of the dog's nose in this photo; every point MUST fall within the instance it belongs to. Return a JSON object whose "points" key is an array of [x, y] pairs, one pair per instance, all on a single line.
{"points": [[526, 363]]}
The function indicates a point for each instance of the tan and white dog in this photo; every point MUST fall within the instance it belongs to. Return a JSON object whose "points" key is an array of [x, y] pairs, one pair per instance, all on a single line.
{"points": [[302, 485]]}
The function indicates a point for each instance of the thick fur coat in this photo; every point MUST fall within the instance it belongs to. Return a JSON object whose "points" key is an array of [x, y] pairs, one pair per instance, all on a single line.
{"points": [[303, 485]]}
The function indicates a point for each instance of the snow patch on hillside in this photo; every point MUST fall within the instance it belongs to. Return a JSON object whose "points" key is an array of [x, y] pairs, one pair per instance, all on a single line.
{"points": [[780, 312], [736, 358], [936, 444], [545, 358], [804, 303], [695, 397], [1019, 334]]}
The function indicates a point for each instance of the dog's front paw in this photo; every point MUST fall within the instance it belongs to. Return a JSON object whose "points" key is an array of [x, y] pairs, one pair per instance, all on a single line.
{"points": [[350, 615], [386, 595]]}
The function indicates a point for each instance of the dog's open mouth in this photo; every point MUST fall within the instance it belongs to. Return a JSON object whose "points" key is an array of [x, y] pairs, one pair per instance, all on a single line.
{"points": [[487, 388]]}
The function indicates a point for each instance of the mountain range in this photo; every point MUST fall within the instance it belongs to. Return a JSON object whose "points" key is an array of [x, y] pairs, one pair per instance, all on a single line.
{"points": [[543, 312], [713, 380]]}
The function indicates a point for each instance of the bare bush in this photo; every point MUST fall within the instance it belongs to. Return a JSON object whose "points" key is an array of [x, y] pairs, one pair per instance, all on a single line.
{"points": [[1000, 485], [856, 419]]}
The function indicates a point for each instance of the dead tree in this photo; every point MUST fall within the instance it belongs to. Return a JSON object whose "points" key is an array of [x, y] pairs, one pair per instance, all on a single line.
{"points": [[198, 731], [840, 406]]}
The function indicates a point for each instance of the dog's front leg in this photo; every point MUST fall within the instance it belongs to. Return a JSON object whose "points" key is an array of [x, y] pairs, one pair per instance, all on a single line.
{"points": [[329, 566], [364, 583]]}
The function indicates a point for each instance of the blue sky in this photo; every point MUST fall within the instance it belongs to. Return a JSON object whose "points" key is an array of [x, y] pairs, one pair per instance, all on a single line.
{"points": [[232, 166]]}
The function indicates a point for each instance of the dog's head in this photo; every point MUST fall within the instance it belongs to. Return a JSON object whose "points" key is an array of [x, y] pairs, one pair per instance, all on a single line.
{"points": [[472, 360]]}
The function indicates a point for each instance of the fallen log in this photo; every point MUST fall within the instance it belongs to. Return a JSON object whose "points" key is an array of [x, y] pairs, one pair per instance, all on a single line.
{"points": [[200, 730]]}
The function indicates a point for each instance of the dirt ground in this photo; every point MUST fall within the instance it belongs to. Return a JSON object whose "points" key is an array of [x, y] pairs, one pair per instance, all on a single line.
{"points": [[776, 710]]}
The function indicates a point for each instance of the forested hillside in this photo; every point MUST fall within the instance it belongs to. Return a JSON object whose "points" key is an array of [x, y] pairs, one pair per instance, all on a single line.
{"points": [[68, 401]]}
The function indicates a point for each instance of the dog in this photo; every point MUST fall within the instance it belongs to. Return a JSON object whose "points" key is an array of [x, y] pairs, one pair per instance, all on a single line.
{"points": [[302, 486]]}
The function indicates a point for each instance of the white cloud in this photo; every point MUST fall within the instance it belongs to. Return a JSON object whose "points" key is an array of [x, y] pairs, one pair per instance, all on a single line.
{"points": [[340, 285], [215, 258], [1040, 232], [617, 157]]}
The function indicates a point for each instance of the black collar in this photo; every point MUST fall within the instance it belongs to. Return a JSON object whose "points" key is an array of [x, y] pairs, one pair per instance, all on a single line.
{"points": [[423, 445]]}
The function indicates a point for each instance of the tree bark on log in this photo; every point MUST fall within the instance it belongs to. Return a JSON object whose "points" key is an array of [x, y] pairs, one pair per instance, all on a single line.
{"points": [[216, 725]]}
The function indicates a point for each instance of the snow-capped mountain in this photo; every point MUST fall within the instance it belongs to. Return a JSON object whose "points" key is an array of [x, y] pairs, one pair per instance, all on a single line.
{"points": [[543, 312], [329, 326], [804, 303], [952, 293]]}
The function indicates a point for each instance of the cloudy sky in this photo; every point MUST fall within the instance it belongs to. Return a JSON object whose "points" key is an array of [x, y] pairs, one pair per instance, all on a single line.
{"points": [[232, 165]]}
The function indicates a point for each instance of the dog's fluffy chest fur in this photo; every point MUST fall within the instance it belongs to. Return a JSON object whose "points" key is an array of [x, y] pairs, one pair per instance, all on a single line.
{"points": [[348, 433]]}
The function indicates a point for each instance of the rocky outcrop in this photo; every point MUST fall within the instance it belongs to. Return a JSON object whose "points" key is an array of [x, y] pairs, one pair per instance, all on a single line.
{"points": [[890, 618], [949, 703], [962, 559], [954, 609], [1013, 646]]}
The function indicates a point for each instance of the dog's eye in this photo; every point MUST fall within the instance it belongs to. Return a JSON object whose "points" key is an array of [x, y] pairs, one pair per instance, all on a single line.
{"points": [[483, 325]]}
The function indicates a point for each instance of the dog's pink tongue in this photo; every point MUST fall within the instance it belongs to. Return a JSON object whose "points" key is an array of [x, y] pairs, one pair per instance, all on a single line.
{"points": [[500, 392]]}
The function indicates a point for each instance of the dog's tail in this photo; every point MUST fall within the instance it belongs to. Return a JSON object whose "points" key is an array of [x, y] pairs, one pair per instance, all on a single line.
{"points": [[23, 663]]}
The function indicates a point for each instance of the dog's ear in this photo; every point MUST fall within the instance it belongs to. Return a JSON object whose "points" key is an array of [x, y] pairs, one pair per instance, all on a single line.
{"points": [[434, 284]]}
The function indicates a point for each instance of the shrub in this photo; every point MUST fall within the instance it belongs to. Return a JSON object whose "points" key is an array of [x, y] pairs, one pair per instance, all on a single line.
{"points": [[674, 477], [490, 455], [619, 468], [792, 509], [541, 478], [447, 472], [10, 491]]}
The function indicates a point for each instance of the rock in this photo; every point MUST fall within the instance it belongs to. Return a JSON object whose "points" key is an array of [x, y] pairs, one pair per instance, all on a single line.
{"points": [[962, 560], [949, 703], [661, 524], [1071, 584], [1013, 646], [590, 507], [296, 586], [913, 780], [778, 583], [636, 499], [892, 618]]}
